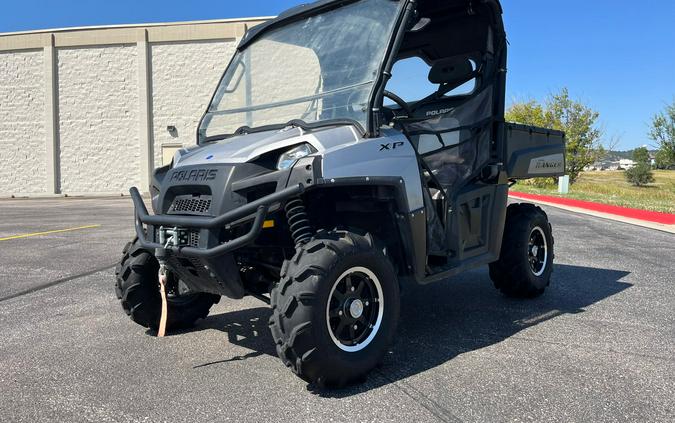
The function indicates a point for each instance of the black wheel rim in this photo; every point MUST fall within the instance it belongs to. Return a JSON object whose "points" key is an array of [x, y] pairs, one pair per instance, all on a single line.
{"points": [[355, 309], [537, 251]]}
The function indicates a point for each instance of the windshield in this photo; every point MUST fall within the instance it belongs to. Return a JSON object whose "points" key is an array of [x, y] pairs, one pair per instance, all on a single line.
{"points": [[320, 68]]}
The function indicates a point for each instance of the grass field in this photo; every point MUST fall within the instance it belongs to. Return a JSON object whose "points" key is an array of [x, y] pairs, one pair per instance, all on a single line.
{"points": [[611, 187]]}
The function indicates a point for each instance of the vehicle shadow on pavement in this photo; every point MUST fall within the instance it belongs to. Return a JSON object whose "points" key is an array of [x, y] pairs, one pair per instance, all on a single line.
{"points": [[441, 321], [245, 328]]}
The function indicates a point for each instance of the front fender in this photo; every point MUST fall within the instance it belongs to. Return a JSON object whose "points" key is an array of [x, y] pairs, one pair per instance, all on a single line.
{"points": [[390, 157]]}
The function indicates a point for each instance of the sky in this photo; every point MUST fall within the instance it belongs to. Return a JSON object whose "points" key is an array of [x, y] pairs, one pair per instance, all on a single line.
{"points": [[616, 56]]}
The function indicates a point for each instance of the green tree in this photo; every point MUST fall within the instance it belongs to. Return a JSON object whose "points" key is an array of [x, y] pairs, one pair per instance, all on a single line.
{"points": [[641, 155], [578, 121], [662, 159], [663, 132], [640, 174]]}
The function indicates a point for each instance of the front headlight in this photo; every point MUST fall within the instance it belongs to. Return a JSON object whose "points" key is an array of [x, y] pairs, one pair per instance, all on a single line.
{"points": [[289, 158]]}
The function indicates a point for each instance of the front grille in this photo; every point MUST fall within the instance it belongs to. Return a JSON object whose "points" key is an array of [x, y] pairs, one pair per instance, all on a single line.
{"points": [[191, 204]]}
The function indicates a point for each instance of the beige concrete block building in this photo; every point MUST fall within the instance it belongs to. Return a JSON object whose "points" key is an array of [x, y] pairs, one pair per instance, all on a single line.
{"points": [[86, 111]]}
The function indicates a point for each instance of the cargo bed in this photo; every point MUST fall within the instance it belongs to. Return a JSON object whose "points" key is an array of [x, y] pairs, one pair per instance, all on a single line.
{"points": [[534, 152]]}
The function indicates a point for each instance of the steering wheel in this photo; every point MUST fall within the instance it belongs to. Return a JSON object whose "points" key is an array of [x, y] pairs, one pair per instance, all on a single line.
{"points": [[399, 101]]}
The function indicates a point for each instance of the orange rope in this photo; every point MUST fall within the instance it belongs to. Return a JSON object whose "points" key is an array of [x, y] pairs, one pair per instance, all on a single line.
{"points": [[162, 291]]}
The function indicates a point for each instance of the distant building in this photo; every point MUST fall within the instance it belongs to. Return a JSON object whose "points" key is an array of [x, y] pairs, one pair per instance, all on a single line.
{"points": [[626, 164], [603, 165], [623, 164], [94, 110]]}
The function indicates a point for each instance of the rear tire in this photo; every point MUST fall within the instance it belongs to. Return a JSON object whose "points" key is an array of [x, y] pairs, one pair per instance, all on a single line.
{"points": [[526, 263], [336, 309], [137, 287]]}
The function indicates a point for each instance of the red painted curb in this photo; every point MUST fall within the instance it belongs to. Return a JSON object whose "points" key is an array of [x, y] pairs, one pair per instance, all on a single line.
{"points": [[648, 216]]}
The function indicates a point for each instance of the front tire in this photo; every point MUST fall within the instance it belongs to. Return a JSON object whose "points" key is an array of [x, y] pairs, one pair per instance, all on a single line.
{"points": [[137, 288], [526, 262], [336, 308]]}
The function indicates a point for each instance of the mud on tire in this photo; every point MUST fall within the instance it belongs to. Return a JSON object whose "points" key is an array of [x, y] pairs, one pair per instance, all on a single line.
{"points": [[519, 272], [137, 288], [338, 272]]}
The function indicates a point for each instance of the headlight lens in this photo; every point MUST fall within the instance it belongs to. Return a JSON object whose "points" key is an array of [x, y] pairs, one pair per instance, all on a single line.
{"points": [[289, 158]]}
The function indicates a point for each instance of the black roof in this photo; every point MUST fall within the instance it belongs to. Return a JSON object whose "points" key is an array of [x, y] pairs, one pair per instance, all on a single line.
{"points": [[432, 6]]}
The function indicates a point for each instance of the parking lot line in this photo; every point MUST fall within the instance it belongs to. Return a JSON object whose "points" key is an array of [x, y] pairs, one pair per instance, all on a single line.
{"points": [[79, 228]]}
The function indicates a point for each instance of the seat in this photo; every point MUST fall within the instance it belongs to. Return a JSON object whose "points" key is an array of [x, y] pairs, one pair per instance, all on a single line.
{"points": [[452, 72]]}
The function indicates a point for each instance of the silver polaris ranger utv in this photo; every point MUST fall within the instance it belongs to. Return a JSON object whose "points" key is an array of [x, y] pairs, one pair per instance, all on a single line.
{"points": [[315, 188]]}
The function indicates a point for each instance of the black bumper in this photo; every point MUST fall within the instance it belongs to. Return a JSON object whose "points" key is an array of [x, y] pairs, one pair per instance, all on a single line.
{"points": [[256, 211]]}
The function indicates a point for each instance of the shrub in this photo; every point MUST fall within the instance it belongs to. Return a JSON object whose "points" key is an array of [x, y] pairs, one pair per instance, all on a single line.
{"points": [[544, 183], [641, 174]]}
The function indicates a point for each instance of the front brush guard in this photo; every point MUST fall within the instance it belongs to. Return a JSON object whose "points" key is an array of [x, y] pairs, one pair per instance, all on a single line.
{"points": [[256, 210]]}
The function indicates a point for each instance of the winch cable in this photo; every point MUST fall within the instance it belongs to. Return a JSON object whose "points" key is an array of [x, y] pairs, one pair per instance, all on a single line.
{"points": [[160, 254], [161, 332]]}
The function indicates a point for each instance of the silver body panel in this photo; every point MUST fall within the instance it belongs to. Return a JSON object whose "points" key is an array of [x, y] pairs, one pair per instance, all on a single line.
{"points": [[368, 158], [345, 155], [245, 148]]}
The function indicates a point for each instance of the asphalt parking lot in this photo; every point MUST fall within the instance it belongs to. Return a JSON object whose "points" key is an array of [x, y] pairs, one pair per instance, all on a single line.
{"points": [[598, 346]]}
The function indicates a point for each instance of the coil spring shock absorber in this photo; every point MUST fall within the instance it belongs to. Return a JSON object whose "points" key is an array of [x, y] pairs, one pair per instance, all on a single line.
{"points": [[298, 221]]}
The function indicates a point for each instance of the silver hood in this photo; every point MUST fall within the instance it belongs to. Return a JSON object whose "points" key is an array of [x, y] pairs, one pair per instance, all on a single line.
{"points": [[245, 148]]}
